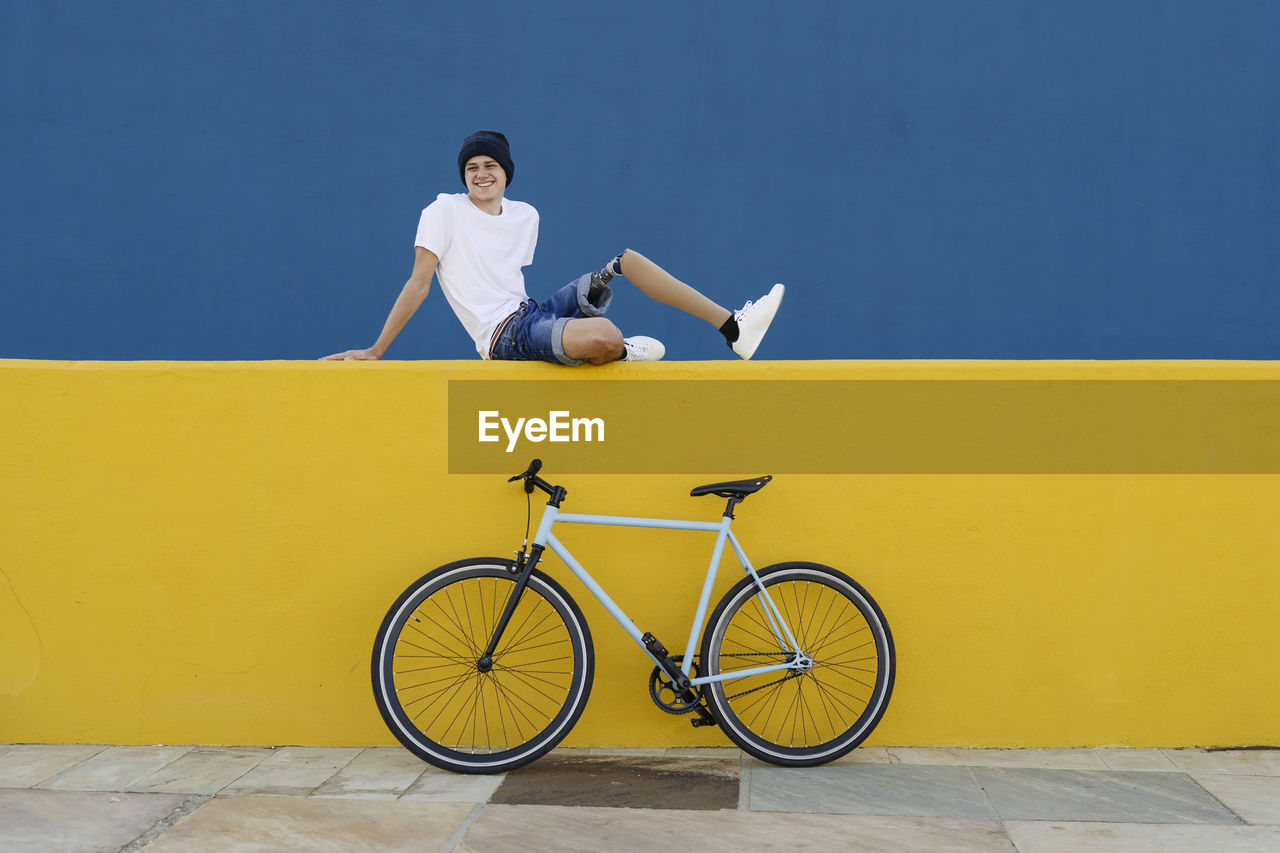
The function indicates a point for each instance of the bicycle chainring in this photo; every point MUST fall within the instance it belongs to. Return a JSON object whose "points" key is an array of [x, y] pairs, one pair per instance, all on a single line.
{"points": [[665, 695]]}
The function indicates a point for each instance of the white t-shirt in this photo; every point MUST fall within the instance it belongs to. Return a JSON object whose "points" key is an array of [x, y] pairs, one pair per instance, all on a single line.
{"points": [[481, 257]]}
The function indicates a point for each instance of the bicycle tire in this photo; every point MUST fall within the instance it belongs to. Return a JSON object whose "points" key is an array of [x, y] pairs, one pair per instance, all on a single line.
{"points": [[438, 703], [809, 718]]}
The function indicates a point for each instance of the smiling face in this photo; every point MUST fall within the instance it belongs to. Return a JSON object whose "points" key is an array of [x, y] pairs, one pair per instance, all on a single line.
{"points": [[485, 179]]}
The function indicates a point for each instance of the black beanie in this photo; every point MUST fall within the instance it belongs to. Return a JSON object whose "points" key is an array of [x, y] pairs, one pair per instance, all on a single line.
{"points": [[490, 143]]}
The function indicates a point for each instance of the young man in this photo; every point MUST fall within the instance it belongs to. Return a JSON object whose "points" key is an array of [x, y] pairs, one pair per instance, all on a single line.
{"points": [[478, 243]]}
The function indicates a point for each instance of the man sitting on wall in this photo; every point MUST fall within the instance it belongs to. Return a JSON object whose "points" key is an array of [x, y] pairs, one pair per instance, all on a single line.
{"points": [[478, 242]]}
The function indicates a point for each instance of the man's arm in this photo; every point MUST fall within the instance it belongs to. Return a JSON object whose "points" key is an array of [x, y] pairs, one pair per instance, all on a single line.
{"points": [[411, 297]]}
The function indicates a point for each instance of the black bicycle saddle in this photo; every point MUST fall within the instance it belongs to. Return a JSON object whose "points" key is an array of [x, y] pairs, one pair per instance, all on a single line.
{"points": [[734, 489]]}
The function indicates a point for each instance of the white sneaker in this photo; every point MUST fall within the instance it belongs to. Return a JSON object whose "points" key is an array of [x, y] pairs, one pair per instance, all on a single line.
{"points": [[753, 321], [643, 348]]}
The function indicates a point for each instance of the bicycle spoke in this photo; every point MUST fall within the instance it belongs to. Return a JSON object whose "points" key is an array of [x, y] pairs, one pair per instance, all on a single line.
{"points": [[462, 633], [532, 683], [757, 620], [835, 693], [450, 628], [507, 709], [863, 628], [521, 708], [847, 665], [520, 642], [465, 632], [813, 647], [476, 696], [474, 688], [516, 631], [447, 681]]}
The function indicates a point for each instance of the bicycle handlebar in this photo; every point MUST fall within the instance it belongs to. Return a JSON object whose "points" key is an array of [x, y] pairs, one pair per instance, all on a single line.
{"points": [[532, 480]]}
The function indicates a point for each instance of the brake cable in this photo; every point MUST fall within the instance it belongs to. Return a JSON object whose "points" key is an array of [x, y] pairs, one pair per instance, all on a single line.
{"points": [[528, 518]]}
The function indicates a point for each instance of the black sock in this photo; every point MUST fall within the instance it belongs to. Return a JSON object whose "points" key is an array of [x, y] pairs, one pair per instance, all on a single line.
{"points": [[730, 329]]}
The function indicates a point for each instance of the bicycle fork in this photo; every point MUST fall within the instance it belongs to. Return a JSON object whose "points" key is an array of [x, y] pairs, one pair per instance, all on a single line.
{"points": [[523, 568]]}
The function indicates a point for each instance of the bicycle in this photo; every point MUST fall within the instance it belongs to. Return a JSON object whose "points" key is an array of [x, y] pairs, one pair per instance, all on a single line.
{"points": [[484, 665]]}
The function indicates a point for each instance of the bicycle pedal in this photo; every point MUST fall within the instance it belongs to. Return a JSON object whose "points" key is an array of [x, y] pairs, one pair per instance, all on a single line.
{"points": [[654, 645], [702, 718]]}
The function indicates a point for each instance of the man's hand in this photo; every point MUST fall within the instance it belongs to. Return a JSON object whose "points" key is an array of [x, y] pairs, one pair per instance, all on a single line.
{"points": [[415, 290], [352, 355]]}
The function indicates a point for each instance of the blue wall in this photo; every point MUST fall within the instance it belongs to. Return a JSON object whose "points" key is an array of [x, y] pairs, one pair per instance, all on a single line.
{"points": [[242, 179]]}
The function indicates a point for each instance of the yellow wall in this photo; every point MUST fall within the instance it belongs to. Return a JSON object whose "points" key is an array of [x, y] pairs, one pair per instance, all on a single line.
{"points": [[201, 553]]}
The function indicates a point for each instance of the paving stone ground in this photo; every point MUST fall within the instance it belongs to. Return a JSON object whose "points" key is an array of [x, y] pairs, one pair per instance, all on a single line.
{"points": [[166, 798]]}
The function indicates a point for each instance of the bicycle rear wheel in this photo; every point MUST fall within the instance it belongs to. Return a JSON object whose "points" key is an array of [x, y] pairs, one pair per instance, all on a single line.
{"points": [[442, 707], [799, 718]]}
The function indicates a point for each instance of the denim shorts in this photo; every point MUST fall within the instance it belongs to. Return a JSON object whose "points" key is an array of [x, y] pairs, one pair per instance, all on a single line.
{"points": [[535, 332]]}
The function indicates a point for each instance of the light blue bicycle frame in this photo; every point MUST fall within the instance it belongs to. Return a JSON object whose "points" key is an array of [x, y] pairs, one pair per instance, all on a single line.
{"points": [[781, 632]]}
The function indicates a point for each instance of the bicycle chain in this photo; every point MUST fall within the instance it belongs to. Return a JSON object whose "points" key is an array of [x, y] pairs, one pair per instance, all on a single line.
{"points": [[790, 674]]}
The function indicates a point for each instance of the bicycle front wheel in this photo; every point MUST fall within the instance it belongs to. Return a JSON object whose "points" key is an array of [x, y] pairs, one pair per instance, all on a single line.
{"points": [[808, 716], [444, 707]]}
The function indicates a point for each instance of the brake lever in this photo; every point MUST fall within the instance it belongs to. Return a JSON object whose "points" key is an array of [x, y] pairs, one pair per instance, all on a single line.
{"points": [[534, 467]]}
